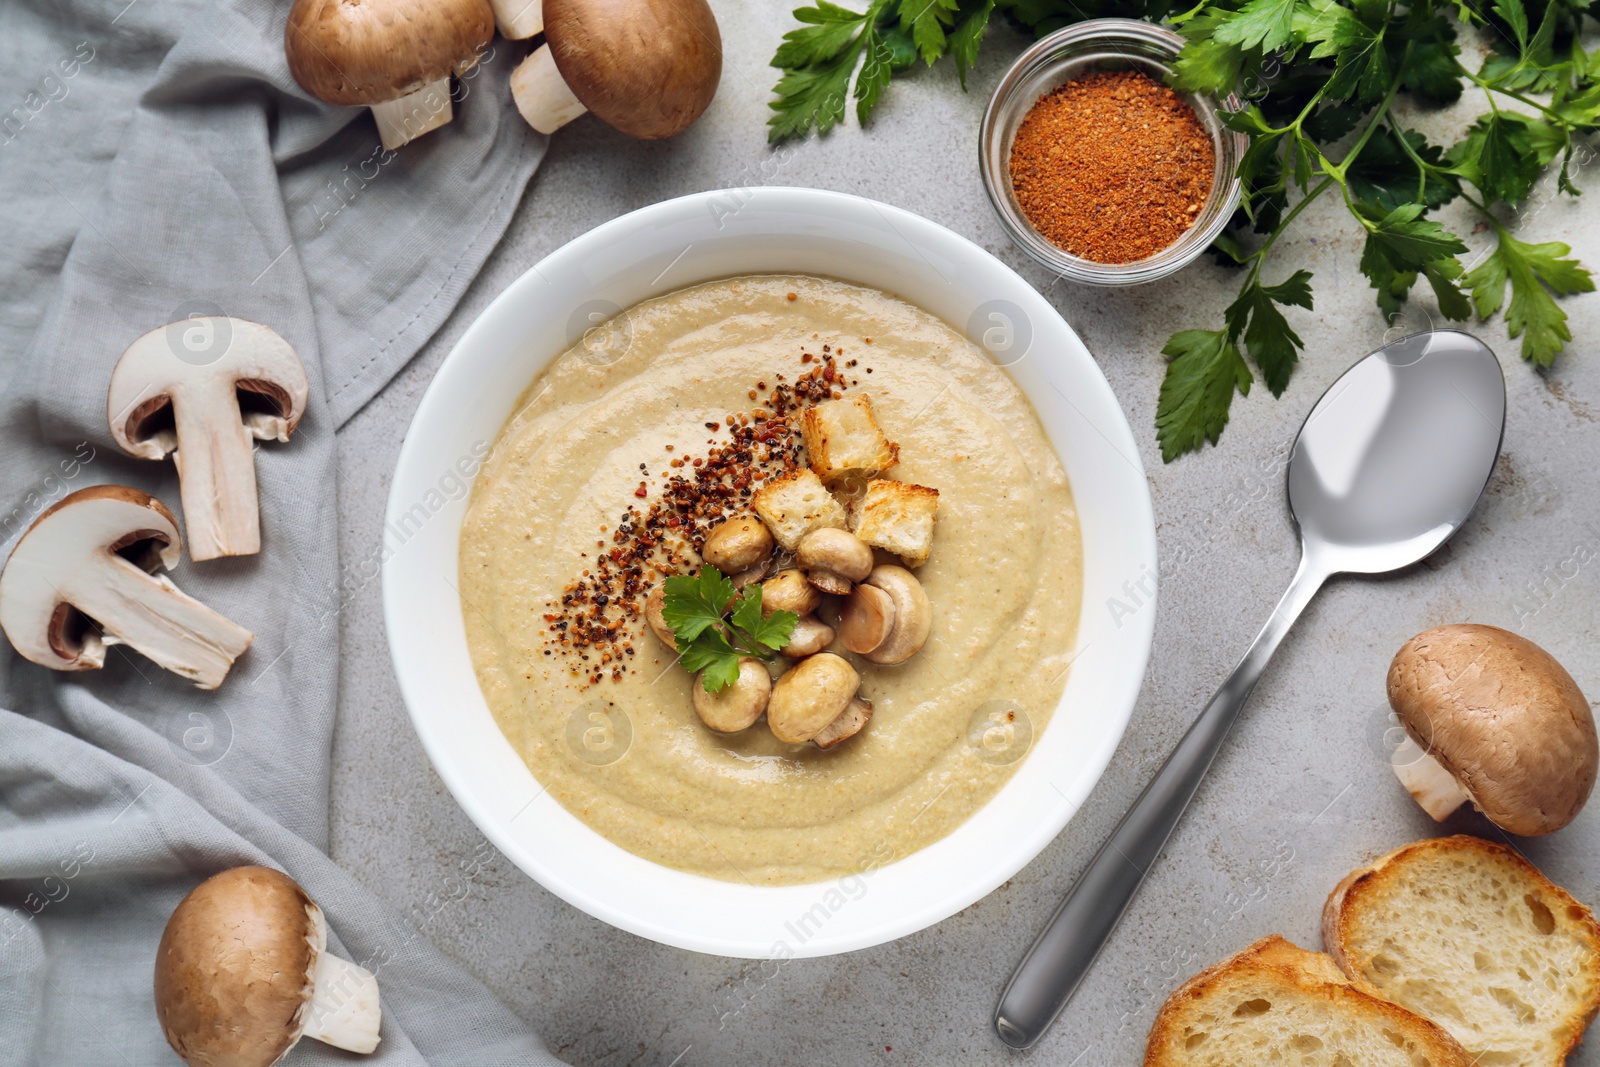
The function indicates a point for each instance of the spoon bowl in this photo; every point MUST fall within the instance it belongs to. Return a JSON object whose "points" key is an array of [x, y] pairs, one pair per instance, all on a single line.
{"points": [[1397, 452], [1388, 465]]}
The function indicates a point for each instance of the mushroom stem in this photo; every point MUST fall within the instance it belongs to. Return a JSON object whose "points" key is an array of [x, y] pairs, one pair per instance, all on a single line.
{"points": [[217, 481], [541, 93], [344, 1010], [1425, 778], [148, 613], [518, 20], [408, 117]]}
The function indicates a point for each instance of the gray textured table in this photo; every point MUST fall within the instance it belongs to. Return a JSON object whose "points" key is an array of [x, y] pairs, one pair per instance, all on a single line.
{"points": [[1302, 793]]}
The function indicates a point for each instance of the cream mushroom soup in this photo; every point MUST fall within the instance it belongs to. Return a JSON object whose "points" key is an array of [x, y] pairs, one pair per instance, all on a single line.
{"points": [[634, 444]]}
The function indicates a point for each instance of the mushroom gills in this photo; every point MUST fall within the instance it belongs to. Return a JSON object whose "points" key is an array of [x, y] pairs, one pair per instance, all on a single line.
{"points": [[344, 1010], [405, 118], [1430, 785], [541, 94], [518, 20]]}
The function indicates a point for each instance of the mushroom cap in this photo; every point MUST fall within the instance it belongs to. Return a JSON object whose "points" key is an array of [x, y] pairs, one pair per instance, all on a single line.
{"points": [[788, 590], [234, 968], [834, 559], [374, 51], [739, 544], [809, 697], [735, 707], [913, 615], [646, 67], [810, 636], [866, 619], [99, 518], [151, 377], [1503, 718]]}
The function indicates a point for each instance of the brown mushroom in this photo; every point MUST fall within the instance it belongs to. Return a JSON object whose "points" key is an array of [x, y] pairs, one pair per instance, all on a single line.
{"points": [[810, 636], [851, 721], [177, 390], [83, 576], [243, 973], [647, 67], [834, 560], [913, 615], [788, 590], [394, 56], [738, 544], [866, 619], [810, 696], [1492, 718], [734, 707]]}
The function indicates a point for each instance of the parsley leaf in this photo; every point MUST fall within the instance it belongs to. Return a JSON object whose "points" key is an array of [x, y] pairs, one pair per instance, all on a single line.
{"points": [[927, 20], [1272, 344], [712, 641], [1205, 370], [1264, 24], [1534, 271]]}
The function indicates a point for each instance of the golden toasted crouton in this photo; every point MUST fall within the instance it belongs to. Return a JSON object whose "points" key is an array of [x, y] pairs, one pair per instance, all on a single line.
{"points": [[843, 438], [897, 517], [795, 504]]}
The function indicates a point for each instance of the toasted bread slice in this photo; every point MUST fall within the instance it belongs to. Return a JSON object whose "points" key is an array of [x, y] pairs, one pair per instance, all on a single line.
{"points": [[897, 517], [1277, 1003], [843, 438], [794, 504], [1471, 935]]}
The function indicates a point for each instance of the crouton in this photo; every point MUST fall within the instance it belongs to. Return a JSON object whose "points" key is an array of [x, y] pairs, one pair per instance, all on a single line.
{"points": [[897, 517], [842, 438], [795, 504]]}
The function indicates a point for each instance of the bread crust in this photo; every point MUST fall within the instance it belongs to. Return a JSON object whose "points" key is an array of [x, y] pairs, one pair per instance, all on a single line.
{"points": [[1372, 885], [1313, 975]]}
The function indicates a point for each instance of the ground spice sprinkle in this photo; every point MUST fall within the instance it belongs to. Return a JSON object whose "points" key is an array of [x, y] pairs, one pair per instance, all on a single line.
{"points": [[1112, 166]]}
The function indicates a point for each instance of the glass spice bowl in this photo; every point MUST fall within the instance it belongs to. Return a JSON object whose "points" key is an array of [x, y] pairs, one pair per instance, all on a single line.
{"points": [[1052, 61]]}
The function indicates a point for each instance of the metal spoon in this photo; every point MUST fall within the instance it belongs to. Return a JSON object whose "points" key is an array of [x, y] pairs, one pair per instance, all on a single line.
{"points": [[1387, 466]]}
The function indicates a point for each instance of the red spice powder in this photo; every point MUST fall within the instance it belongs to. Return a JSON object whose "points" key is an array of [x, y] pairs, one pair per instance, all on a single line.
{"points": [[1112, 166]]}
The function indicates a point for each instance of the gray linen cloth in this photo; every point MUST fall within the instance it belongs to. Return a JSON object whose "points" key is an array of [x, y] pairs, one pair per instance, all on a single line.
{"points": [[156, 160]]}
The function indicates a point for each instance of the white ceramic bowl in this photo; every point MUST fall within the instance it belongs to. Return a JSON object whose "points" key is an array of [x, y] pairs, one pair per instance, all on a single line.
{"points": [[662, 248]]}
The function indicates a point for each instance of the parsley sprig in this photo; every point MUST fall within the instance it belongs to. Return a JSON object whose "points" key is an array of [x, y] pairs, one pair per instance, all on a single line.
{"points": [[1320, 79], [716, 629]]}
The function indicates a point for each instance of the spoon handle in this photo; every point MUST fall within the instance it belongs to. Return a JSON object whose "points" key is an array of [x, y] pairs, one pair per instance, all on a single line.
{"points": [[1065, 950]]}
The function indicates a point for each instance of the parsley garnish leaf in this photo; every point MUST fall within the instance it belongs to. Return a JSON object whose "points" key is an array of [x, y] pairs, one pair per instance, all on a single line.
{"points": [[1205, 370], [711, 641], [1534, 271]]}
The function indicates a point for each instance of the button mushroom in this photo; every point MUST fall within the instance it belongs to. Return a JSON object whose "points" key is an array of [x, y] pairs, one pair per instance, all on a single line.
{"points": [[866, 619], [810, 696], [741, 543], [653, 617], [394, 56], [243, 972], [734, 707], [913, 615], [1492, 718], [168, 398], [517, 20], [834, 560], [788, 590], [810, 636], [646, 67], [83, 577], [850, 722]]}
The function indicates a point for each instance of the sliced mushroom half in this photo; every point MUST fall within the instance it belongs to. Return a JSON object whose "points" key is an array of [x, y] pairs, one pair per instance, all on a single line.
{"points": [[913, 615], [83, 577], [203, 390]]}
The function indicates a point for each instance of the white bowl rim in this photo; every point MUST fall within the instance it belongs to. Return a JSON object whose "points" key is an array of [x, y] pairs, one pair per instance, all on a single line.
{"points": [[724, 917]]}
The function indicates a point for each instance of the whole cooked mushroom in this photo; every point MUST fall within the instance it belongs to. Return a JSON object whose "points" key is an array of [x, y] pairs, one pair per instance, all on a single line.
{"points": [[173, 395], [913, 615], [810, 696], [866, 619], [834, 560], [646, 67], [243, 973], [788, 590], [393, 56], [1492, 718], [735, 707], [83, 577], [810, 636], [739, 544]]}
